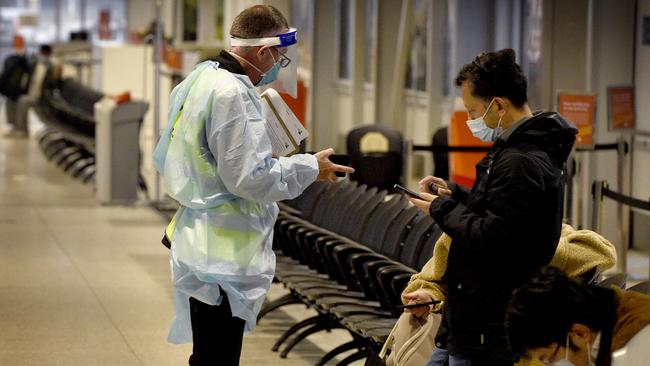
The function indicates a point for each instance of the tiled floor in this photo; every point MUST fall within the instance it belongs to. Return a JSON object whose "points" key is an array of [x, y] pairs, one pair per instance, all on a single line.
{"points": [[83, 284]]}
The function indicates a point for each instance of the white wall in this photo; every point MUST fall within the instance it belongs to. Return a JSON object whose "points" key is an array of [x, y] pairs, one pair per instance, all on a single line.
{"points": [[641, 155], [642, 72]]}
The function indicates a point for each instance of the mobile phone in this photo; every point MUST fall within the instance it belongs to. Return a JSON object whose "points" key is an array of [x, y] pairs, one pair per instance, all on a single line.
{"points": [[340, 159], [411, 306], [408, 192], [434, 187]]}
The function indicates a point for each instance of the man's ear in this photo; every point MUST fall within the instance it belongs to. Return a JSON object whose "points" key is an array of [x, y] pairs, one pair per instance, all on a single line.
{"points": [[261, 52], [581, 331], [502, 104]]}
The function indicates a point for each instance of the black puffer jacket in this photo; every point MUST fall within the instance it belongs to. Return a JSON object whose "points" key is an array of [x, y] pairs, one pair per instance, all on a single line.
{"points": [[503, 231]]}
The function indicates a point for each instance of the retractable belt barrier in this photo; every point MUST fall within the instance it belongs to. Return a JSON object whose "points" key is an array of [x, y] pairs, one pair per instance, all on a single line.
{"points": [[600, 147], [446, 148], [601, 189], [626, 200]]}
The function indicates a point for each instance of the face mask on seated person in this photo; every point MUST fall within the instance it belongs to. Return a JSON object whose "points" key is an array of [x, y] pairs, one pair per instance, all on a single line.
{"points": [[480, 129], [565, 361]]}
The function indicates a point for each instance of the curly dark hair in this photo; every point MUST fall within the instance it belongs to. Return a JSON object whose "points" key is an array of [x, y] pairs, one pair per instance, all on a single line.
{"points": [[496, 74]]}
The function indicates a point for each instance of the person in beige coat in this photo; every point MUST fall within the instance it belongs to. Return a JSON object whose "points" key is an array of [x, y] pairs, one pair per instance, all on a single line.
{"points": [[580, 254]]}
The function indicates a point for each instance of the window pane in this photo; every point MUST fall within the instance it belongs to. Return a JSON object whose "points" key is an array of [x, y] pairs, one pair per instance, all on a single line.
{"points": [[70, 18], [190, 20], [370, 39], [218, 19], [531, 60], [300, 17], [416, 71], [106, 19], [345, 40], [46, 29]]}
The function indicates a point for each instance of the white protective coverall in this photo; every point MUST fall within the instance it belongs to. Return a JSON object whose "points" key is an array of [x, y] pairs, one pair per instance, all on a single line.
{"points": [[216, 160]]}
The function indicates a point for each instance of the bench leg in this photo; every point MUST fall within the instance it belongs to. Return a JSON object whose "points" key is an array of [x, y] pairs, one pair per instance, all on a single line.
{"points": [[296, 327], [355, 343], [276, 304], [306, 333], [363, 353]]}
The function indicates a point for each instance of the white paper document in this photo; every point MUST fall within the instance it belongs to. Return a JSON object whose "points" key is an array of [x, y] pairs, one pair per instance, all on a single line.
{"points": [[283, 127]]}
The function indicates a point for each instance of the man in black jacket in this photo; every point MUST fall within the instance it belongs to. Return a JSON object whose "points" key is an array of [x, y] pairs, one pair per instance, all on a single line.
{"points": [[508, 226], [14, 78]]}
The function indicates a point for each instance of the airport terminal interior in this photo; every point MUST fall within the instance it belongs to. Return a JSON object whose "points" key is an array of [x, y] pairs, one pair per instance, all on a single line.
{"points": [[110, 227]]}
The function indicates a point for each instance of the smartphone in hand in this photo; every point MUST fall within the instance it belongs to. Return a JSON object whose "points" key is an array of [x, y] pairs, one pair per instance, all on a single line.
{"points": [[434, 187], [408, 192]]}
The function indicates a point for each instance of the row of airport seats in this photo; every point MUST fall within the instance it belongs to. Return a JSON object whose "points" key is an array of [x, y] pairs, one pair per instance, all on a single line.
{"points": [[347, 251], [67, 110], [621, 280]]}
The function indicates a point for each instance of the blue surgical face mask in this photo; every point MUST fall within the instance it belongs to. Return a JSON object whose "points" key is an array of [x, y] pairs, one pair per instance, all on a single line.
{"points": [[270, 75], [481, 130]]}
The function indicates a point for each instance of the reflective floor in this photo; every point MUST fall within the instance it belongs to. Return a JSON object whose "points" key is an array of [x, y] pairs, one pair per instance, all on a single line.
{"points": [[82, 284]]}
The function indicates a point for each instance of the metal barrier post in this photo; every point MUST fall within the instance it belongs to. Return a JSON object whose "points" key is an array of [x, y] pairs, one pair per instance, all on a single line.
{"points": [[621, 153], [568, 191], [596, 214], [407, 169]]}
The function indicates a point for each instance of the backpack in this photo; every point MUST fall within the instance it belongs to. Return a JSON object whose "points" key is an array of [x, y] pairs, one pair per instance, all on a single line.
{"points": [[14, 80]]}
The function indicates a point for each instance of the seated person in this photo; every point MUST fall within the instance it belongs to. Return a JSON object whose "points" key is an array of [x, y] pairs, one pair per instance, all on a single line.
{"points": [[557, 321], [582, 254]]}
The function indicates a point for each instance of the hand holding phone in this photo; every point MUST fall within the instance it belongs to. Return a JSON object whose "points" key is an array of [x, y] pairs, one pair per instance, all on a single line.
{"points": [[435, 185], [412, 306], [408, 192]]}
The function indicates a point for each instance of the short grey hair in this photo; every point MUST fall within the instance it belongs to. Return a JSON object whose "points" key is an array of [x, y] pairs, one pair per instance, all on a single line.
{"points": [[258, 21]]}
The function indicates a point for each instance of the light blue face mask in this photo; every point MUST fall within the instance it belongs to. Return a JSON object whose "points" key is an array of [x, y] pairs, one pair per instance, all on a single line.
{"points": [[270, 75], [481, 131]]}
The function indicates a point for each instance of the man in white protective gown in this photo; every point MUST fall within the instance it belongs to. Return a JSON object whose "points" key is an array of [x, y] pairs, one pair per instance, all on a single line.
{"points": [[216, 160]]}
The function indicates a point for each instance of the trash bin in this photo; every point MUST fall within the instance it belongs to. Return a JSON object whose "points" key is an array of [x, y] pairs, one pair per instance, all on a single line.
{"points": [[117, 150]]}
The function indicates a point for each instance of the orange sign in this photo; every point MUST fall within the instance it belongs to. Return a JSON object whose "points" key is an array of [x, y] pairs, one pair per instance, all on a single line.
{"points": [[462, 165], [579, 109], [620, 100]]}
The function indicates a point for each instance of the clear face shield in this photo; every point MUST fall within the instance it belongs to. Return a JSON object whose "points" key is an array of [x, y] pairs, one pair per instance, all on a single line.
{"points": [[285, 43]]}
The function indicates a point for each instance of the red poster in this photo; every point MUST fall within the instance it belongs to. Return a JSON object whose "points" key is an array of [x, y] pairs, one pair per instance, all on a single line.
{"points": [[104, 24], [579, 109], [620, 100]]}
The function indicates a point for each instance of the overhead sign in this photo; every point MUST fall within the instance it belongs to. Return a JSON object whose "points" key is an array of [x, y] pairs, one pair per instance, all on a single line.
{"points": [[579, 109], [620, 103]]}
